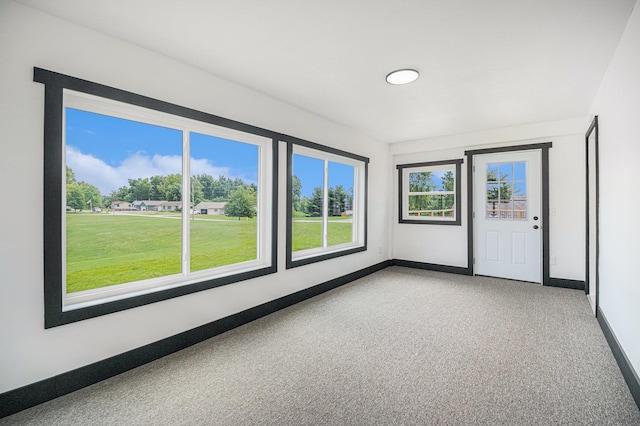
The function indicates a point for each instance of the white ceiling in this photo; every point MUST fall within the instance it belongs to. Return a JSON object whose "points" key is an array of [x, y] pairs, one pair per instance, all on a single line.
{"points": [[484, 63]]}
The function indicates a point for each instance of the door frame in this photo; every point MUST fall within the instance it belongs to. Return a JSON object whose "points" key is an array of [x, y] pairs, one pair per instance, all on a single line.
{"points": [[544, 147], [593, 128]]}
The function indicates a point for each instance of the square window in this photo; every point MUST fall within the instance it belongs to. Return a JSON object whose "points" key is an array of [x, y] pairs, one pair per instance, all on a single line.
{"points": [[430, 192]]}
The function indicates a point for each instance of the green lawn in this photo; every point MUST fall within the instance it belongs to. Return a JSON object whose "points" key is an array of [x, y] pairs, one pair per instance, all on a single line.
{"points": [[104, 249], [215, 243], [307, 232]]}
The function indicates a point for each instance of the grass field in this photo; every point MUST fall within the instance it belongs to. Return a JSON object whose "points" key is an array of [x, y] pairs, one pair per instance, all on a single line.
{"points": [[307, 234], [104, 249]]}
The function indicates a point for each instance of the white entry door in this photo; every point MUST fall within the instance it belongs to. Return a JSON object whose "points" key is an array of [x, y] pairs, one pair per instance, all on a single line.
{"points": [[508, 215]]}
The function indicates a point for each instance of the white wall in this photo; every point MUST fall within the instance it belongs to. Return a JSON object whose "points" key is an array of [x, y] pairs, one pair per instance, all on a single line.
{"points": [[617, 105], [447, 245], [30, 38]]}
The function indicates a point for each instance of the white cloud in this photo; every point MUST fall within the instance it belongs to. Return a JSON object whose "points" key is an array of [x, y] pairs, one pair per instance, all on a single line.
{"points": [[202, 166], [107, 178]]}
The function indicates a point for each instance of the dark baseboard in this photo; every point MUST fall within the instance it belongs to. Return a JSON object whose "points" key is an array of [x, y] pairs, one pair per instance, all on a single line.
{"points": [[565, 283], [432, 267], [626, 368], [553, 282], [31, 395]]}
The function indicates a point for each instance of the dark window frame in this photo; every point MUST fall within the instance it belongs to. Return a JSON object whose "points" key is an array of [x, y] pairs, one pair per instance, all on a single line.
{"points": [[290, 262], [55, 84], [457, 163]]}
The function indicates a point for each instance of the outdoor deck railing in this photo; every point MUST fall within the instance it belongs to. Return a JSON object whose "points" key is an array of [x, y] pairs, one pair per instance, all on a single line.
{"points": [[491, 214], [506, 214], [431, 213]]}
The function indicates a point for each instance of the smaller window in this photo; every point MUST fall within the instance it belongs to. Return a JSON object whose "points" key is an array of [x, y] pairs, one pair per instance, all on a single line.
{"points": [[429, 193], [327, 203]]}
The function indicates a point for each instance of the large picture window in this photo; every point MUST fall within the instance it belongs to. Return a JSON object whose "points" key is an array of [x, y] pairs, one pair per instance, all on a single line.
{"points": [[429, 193], [146, 200], [327, 203]]}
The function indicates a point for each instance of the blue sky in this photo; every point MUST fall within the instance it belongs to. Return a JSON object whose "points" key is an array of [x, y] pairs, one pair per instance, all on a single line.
{"points": [[310, 172], [107, 151]]}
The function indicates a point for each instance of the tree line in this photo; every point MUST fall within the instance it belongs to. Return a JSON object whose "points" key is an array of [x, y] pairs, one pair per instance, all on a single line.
{"points": [[81, 195], [424, 182], [240, 196], [340, 200], [204, 187]]}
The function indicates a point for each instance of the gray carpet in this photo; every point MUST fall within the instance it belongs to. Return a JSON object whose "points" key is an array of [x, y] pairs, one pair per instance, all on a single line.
{"points": [[401, 346]]}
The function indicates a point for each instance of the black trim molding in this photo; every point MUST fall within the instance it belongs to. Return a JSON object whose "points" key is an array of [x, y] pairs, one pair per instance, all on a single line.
{"points": [[31, 395], [565, 283], [592, 282], [55, 84], [458, 197], [431, 267], [629, 374], [544, 147]]}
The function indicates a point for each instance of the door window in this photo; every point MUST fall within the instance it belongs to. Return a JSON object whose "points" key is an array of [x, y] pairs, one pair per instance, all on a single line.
{"points": [[507, 191]]}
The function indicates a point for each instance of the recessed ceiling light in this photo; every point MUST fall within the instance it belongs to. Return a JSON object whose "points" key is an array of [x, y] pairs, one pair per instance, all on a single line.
{"points": [[402, 76]]}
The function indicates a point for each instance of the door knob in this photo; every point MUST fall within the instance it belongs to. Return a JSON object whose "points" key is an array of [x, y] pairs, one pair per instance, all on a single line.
{"points": [[535, 226]]}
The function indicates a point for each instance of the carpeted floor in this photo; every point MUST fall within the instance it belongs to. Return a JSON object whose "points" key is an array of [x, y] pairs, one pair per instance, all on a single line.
{"points": [[401, 347]]}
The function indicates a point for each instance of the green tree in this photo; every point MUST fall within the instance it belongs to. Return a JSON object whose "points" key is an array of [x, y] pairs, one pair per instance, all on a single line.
{"points": [[140, 188], [197, 192], [207, 182], [122, 194], [296, 193], [348, 200], [222, 188], [75, 197], [106, 200], [448, 181], [242, 203], [157, 191], [498, 189], [173, 188], [337, 202], [90, 193], [304, 207], [71, 177], [421, 182], [316, 202]]}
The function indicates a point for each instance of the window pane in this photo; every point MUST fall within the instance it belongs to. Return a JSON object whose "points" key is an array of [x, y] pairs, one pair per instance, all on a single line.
{"points": [[492, 172], [507, 198], [493, 191], [506, 171], [444, 180], [493, 197], [224, 188], [421, 182], [520, 170], [506, 191], [120, 176], [520, 200], [308, 202], [441, 205], [341, 184], [519, 189]]}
